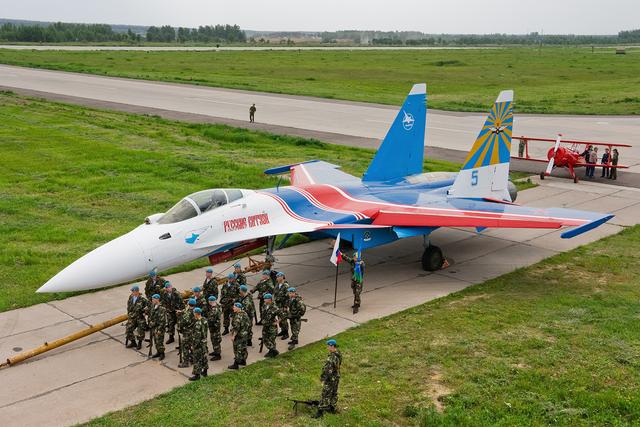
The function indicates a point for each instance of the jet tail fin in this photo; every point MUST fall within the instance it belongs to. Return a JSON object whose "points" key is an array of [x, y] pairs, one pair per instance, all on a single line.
{"points": [[402, 150], [485, 172]]}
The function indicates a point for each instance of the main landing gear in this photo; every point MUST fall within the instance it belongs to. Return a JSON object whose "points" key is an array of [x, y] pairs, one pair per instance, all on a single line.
{"points": [[432, 258]]}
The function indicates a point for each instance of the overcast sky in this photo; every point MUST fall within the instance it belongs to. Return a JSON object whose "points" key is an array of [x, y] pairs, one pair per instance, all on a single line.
{"points": [[444, 16]]}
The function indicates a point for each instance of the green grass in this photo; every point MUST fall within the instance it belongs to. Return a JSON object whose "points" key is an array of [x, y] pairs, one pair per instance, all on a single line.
{"points": [[556, 343], [550, 80], [74, 178]]}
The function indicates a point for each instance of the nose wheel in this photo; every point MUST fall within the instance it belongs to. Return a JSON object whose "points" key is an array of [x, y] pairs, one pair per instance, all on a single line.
{"points": [[432, 258]]}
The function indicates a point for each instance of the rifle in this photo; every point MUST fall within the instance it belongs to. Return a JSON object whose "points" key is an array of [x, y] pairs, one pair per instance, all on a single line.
{"points": [[180, 347], [150, 342], [261, 344], [255, 312]]}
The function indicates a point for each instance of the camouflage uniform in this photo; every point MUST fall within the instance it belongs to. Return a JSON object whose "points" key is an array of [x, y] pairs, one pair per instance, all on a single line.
{"points": [[201, 302], [330, 378], [263, 287], [154, 285], [281, 298], [214, 320], [356, 283], [269, 318], [185, 328], [172, 302], [158, 324], [199, 342], [240, 326], [250, 309], [136, 325], [296, 311], [241, 279], [228, 295], [210, 287]]}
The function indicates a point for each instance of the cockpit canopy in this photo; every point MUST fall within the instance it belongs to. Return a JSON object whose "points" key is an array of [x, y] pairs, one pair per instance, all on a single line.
{"points": [[198, 203]]}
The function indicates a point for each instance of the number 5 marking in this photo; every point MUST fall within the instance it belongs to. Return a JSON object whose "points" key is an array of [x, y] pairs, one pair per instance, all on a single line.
{"points": [[474, 177]]}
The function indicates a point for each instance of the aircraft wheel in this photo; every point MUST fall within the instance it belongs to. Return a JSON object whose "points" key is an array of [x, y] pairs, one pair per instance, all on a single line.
{"points": [[541, 175], [432, 258], [575, 179]]}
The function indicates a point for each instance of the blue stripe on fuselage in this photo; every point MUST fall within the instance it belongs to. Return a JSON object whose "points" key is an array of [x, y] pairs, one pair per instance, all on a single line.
{"points": [[304, 208]]}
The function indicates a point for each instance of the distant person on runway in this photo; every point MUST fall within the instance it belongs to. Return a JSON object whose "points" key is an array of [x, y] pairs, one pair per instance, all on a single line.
{"points": [[252, 113], [605, 161], [614, 162]]}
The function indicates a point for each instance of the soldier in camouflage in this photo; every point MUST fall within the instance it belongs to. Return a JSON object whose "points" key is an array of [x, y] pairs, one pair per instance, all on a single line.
{"points": [[199, 341], [157, 325], [269, 318], [330, 378], [154, 285], [228, 296], [201, 301], [136, 325], [282, 301], [297, 308], [214, 321], [247, 302], [357, 276], [172, 302], [185, 328], [241, 279], [239, 330], [210, 284], [264, 286]]}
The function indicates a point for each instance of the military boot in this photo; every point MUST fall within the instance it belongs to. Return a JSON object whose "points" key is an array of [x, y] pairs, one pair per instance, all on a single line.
{"points": [[242, 362], [183, 365], [155, 356], [250, 344], [204, 373], [196, 377], [234, 366], [161, 357], [139, 345], [318, 414], [132, 344], [285, 336], [356, 308], [226, 330], [216, 356], [171, 339]]}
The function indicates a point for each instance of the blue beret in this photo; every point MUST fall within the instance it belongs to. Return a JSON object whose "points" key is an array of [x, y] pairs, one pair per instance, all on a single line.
{"points": [[167, 284], [231, 276], [267, 296], [213, 298], [135, 288], [280, 274], [332, 342], [209, 270], [291, 289], [237, 265], [192, 301], [266, 272], [197, 289], [238, 305], [153, 273], [155, 296], [243, 288], [197, 310]]}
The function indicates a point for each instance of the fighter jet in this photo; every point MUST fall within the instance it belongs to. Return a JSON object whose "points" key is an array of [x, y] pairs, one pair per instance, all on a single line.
{"points": [[393, 200]]}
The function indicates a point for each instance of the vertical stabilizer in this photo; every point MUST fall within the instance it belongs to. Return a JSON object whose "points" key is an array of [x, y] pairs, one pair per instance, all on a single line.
{"points": [[485, 173], [402, 150]]}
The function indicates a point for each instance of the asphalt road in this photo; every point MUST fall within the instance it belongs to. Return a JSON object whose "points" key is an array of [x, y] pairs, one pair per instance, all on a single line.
{"points": [[354, 123]]}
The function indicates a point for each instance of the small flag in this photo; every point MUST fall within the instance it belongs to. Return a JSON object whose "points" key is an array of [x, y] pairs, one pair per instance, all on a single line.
{"points": [[336, 256]]}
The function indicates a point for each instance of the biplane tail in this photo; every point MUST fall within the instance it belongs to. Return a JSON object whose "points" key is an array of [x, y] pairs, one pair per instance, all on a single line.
{"points": [[485, 172]]}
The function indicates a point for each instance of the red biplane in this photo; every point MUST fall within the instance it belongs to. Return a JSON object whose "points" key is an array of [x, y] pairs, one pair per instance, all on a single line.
{"points": [[570, 154]]}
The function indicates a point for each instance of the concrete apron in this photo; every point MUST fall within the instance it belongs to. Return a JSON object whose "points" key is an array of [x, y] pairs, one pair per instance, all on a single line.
{"points": [[97, 374]]}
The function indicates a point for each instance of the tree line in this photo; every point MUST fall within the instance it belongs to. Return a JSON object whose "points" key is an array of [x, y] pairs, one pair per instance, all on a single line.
{"points": [[202, 34]]}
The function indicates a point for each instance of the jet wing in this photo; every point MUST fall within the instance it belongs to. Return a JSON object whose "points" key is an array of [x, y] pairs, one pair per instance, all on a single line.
{"points": [[314, 172], [495, 215]]}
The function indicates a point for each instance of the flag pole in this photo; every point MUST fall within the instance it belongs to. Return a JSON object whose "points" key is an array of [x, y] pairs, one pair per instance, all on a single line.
{"points": [[335, 291]]}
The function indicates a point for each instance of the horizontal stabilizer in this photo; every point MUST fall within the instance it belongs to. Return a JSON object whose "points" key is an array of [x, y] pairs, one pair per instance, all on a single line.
{"points": [[586, 227]]}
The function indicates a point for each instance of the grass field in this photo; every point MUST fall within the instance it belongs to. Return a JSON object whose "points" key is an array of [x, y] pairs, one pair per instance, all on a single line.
{"points": [[550, 80], [73, 178], [556, 343]]}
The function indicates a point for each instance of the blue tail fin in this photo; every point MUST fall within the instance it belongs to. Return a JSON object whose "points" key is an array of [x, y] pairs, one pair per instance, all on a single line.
{"points": [[402, 150]]}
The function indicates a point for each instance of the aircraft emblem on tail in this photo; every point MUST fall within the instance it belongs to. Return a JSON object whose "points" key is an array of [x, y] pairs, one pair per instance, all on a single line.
{"points": [[408, 121]]}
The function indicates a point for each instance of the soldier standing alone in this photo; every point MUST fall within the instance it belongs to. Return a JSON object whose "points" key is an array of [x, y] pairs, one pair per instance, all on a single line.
{"points": [[282, 301], [330, 378], [264, 286], [357, 276], [296, 311], [157, 325], [252, 113], [269, 319], [228, 296], [239, 329], [172, 302], [199, 342], [136, 325], [214, 320]]}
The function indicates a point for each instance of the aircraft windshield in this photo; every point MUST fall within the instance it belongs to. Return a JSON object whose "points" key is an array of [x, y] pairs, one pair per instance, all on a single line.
{"points": [[205, 201], [179, 212]]}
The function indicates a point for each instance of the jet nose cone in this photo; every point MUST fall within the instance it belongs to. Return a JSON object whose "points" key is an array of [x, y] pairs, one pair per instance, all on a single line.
{"points": [[118, 261]]}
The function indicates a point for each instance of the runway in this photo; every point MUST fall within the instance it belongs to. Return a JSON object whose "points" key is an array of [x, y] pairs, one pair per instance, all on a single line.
{"points": [[97, 374], [352, 123]]}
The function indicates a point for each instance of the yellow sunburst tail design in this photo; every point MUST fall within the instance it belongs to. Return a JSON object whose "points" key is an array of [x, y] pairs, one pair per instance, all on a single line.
{"points": [[485, 172]]}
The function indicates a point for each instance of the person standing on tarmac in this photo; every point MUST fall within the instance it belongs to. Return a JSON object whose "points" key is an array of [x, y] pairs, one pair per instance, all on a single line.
{"points": [[136, 325], [199, 342], [241, 279], [154, 285], [330, 378], [247, 302], [357, 277], [172, 302], [296, 311], [614, 162], [157, 325], [264, 286], [229, 294], [252, 113], [185, 328], [210, 284], [281, 297], [214, 320], [269, 319], [239, 331]]}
